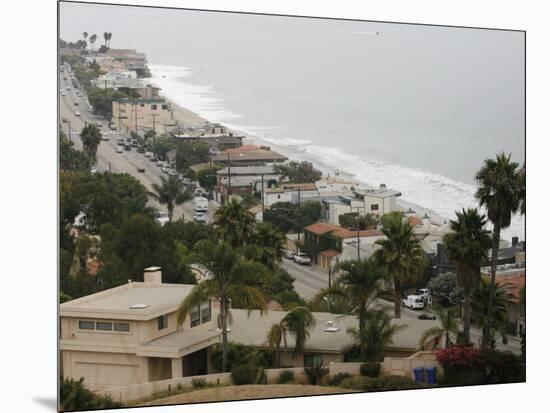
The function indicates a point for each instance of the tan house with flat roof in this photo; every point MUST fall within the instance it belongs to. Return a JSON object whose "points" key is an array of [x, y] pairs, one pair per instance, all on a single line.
{"points": [[144, 113], [129, 335]]}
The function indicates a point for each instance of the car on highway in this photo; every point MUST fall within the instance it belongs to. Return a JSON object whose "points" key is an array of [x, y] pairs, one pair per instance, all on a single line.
{"points": [[140, 169], [99, 124], [165, 170], [120, 141], [63, 94], [77, 113], [127, 147], [75, 103], [199, 217], [63, 120], [148, 154], [427, 316], [160, 163], [119, 149], [153, 159], [104, 137], [68, 88], [134, 143], [140, 149], [414, 302], [302, 259], [162, 217]]}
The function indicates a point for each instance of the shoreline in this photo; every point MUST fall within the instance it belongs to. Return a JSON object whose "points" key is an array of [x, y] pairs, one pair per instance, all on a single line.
{"points": [[193, 119]]}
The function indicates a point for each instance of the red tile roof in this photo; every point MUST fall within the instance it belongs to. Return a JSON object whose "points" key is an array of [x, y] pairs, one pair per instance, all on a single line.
{"points": [[330, 253], [414, 221], [512, 284], [320, 228]]}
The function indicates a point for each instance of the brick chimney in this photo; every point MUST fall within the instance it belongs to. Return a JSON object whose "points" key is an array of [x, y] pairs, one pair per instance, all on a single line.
{"points": [[152, 275]]}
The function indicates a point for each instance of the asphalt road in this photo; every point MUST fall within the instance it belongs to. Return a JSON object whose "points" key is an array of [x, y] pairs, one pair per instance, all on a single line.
{"points": [[107, 158], [309, 280]]}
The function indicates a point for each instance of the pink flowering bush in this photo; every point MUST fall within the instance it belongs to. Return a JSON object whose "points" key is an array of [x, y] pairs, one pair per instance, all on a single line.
{"points": [[458, 357]]}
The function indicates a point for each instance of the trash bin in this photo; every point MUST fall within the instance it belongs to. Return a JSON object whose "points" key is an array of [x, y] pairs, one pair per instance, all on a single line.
{"points": [[418, 374], [431, 375]]}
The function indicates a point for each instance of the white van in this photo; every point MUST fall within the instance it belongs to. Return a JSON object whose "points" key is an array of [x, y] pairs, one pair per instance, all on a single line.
{"points": [[414, 302], [200, 204]]}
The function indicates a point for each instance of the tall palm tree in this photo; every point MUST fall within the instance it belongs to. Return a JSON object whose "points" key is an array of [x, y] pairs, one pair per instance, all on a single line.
{"points": [[228, 283], [271, 241], [234, 223], [170, 192], [499, 319], [362, 283], [105, 37], [522, 189], [499, 192], [378, 333], [109, 35], [467, 245], [448, 325], [401, 254], [91, 138], [332, 300], [93, 38], [85, 35]]}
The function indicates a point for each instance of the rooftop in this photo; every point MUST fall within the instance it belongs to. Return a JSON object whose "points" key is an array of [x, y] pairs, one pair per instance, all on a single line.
{"points": [[115, 303], [320, 228], [337, 181], [248, 170]]}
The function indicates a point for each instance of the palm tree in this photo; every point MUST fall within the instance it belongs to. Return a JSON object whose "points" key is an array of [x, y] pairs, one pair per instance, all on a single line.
{"points": [[109, 35], [521, 189], [480, 304], [85, 35], [271, 241], [362, 283], [275, 336], [298, 322], [401, 254], [234, 223], [170, 192], [448, 325], [467, 245], [91, 138], [93, 38], [228, 283], [332, 300], [105, 37], [500, 193], [378, 333]]}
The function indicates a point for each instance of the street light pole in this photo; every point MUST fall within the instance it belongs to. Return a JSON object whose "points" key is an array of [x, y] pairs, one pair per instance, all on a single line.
{"points": [[229, 177], [262, 196]]}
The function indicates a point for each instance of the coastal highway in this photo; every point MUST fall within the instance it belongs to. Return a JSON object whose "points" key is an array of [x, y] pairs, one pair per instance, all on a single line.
{"points": [[309, 280], [107, 158]]}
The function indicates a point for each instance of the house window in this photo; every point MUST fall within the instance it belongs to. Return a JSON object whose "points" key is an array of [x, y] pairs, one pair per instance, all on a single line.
{"points": [[206, 313], [278, 196], [153, 107], [312, 359], [123, 327], [374, 207], [162, 322], [142, 105], [164, 107], [195, 316], [86, 325], [104, 326]]}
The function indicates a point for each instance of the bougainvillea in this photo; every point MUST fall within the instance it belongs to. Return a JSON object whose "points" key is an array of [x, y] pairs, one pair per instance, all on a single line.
{"points": [[458, 357]]}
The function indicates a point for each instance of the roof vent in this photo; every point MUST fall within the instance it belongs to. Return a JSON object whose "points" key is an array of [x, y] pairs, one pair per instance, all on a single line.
{"points": [[138, 306], [331, 328]]}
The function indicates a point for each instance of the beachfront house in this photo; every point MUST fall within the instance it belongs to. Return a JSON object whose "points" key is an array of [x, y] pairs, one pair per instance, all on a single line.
{"points": [[378, 201], [248, 155], [244, 179], [289, 193], [129, 335], [131, 115]]}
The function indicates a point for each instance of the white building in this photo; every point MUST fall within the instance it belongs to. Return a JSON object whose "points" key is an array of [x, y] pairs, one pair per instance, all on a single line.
{"points": [[378, 201], [336, 185]]}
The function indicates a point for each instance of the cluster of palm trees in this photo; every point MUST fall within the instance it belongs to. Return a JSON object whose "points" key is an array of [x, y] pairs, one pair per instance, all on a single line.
{"points": [[92, 39]]}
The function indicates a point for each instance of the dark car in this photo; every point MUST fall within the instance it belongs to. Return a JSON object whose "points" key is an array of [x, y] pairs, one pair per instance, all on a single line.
{"points": [[426, 316], [141, 169], [127, 147], [141, 149]]}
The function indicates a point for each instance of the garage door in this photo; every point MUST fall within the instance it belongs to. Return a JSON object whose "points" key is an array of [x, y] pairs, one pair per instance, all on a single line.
{"points": [[104, 376]]}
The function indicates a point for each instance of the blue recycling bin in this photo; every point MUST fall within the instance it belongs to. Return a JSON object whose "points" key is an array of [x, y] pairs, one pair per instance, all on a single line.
{"points": [[431, 375], [418, 374]]}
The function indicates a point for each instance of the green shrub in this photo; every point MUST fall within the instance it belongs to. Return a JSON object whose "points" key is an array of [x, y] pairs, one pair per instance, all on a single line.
{"points": [[365, 383], [502, 366], [337, 379], [244, 374], [316, 372], [198, 383], [285, 376], [370, 369], [75, 396]]}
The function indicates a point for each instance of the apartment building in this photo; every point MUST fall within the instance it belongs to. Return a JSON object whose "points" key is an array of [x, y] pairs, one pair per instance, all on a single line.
{"points": [[145, 113]]}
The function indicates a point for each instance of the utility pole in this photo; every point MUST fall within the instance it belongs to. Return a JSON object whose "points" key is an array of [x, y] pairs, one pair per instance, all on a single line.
{"points": [[263, 197], [229, 176], [358, 232], [154, 116], [299, 207], [135, 117], [69, 122]]}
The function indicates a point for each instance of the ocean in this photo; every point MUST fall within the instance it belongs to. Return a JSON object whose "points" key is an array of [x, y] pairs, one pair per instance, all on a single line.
{"points": [[415, 107]]}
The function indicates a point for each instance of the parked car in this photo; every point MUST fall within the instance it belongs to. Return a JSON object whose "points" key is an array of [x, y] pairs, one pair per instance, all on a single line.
{"points": [[153, 159], [141, 169], [140, 149], [427, 316], [63, 94], [200, 204], [289, 255], [63, 120], [199, 217], [147, 154], [414, 302], [302, 259], [119, 149], [120, 141], [127, 147], [104, 136], [93, 170], [77, 113], [160, 163], [164, 169]]}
